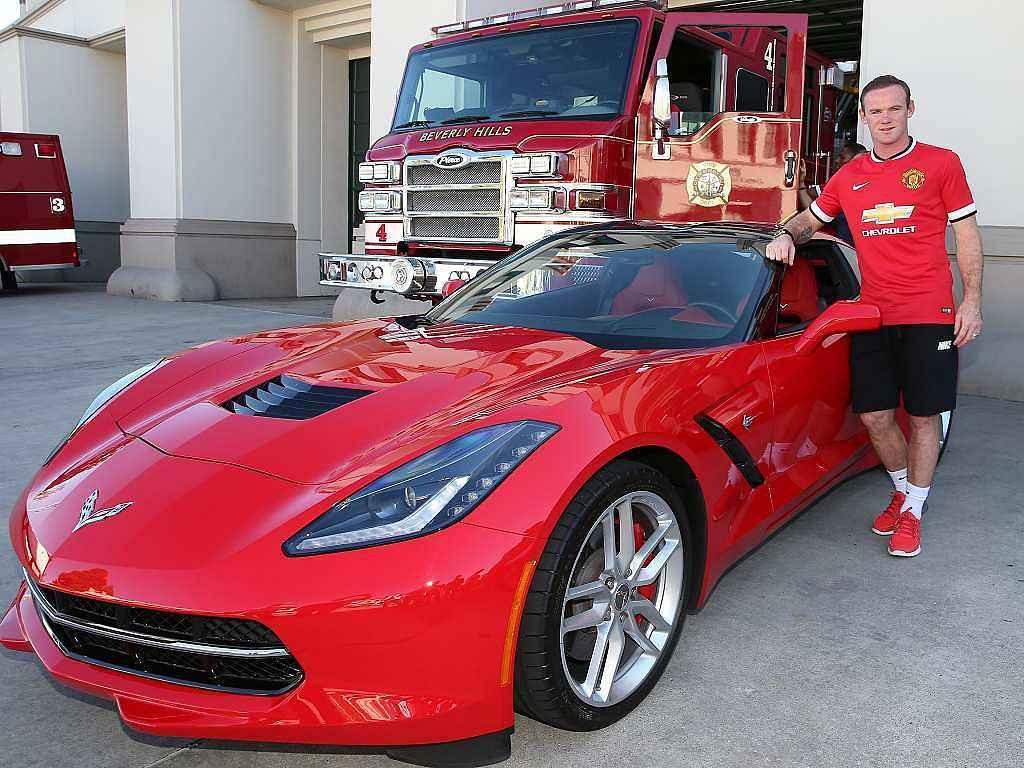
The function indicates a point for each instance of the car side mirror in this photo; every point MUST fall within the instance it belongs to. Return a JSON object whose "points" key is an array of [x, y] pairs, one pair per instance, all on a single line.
{"points": [[839, 317]]}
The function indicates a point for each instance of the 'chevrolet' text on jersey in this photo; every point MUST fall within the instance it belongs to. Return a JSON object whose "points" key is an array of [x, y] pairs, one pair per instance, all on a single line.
{"points": [[898, 209]]}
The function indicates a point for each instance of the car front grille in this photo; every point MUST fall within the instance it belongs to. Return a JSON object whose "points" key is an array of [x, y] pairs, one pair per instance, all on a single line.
{"points": [[219, 653], [456, 227]]}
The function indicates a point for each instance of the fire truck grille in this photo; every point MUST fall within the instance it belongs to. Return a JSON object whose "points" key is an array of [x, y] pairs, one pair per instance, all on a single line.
{"points": [[470, 200], [457, 227], [484, 172]]}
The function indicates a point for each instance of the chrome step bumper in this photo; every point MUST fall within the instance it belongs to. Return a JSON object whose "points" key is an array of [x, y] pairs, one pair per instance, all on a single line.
{"points": [[407, 275]]}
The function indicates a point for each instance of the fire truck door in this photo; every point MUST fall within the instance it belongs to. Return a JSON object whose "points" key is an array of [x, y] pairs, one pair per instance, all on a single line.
{"points": [[726, 145]]}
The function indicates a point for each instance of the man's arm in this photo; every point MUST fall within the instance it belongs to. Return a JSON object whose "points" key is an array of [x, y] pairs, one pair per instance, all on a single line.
{"points": [[969, 259], [800, 228]]}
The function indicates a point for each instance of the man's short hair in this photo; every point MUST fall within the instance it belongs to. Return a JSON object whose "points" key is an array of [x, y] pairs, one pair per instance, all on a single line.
{"points": [[884, 81], [854, 148]]}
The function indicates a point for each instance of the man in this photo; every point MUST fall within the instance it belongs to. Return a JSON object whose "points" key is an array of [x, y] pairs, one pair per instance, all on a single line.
{"points": [[808, 195], [899, 199]]}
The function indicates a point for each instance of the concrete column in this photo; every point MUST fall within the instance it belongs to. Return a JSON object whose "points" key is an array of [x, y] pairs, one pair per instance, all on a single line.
{"points": [[210, 152]]}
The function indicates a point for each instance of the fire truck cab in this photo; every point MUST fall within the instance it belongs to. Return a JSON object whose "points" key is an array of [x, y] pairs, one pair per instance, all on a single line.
{"points": [[512, 127], [37, 223]]}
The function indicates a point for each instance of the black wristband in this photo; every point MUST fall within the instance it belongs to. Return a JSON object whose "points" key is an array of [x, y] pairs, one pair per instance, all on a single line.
{"points": [[784, 231]]}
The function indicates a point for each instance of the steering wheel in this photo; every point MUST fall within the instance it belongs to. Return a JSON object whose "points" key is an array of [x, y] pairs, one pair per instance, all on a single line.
{"points": [[722, 311]]}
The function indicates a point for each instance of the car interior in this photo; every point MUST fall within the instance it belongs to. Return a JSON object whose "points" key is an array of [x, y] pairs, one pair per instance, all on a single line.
{"points": [[820, 276]]}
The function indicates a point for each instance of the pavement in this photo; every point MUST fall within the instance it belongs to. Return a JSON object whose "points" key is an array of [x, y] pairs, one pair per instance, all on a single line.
{"points": [[817, 650]]}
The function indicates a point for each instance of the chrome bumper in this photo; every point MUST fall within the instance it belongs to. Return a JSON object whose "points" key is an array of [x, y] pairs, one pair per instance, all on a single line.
{"points": [[407, 275]]}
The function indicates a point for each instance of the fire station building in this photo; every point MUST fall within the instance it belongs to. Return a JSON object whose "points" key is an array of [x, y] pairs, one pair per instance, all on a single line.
{"points": [[212, 146]]}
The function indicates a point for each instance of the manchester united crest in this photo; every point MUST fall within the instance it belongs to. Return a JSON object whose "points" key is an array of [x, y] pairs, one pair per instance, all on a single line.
{"points": [[913, 179], [709, 184]]}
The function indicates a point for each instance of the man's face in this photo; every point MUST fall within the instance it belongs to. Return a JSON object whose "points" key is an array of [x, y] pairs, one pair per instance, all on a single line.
{"points": [[886, 113]]}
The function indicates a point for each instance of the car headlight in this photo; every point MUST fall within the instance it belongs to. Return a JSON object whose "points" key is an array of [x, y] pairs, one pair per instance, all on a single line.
{"points": [[103, 398], [426, 494]]}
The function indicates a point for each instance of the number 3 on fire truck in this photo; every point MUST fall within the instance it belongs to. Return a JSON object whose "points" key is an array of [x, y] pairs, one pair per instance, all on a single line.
{"points": [[382, 233], [57, 204]]}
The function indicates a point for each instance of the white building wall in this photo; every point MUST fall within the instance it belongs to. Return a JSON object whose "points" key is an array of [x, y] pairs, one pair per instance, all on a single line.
{"points": [[397, 27], [79, 93], [962, 63], [83, 18], [236, 101], [12, 104], [152, 86]]}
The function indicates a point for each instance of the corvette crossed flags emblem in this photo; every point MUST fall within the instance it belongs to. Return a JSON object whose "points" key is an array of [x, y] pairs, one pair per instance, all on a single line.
{"points": [[91, 515]]}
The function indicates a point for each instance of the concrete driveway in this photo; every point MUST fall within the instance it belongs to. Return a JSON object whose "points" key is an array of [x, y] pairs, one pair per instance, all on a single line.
{"points": [[817, 650]]}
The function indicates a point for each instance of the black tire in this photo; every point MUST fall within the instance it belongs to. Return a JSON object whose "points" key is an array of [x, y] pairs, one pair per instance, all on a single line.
{"points": [[541, 689], [8, 281]]}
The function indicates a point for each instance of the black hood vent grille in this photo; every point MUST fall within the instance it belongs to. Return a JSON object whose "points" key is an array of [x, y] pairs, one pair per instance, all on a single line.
{"points": [[289, 398]]}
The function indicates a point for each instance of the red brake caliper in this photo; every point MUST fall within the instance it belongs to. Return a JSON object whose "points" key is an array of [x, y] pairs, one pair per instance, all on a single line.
{"points": [[647, 591]]}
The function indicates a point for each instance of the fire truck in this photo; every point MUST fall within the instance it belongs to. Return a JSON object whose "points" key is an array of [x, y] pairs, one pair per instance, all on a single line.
{"points": [[512, 127], [37, 223]]}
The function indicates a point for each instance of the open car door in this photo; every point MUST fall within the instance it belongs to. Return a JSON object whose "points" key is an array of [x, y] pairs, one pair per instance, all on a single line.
{"points": [[719, 126]]}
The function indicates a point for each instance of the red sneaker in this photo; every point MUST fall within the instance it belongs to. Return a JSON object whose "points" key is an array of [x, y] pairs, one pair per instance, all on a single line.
{"points": [[885, 523], [906, 539]]}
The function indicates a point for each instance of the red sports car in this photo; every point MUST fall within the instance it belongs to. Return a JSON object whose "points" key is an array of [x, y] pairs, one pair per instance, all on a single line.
{"points": [[396, 533]]}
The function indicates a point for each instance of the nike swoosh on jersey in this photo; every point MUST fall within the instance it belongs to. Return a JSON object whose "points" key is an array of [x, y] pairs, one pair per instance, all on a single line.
{"points": [[858, 187]]}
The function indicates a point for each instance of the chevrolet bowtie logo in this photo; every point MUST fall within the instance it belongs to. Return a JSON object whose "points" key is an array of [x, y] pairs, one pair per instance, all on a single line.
{"points": [[887, 213]]}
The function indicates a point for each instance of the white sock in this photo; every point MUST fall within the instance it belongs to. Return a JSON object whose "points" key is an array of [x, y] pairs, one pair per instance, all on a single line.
{"points": [[916, 496], [899, 479]]}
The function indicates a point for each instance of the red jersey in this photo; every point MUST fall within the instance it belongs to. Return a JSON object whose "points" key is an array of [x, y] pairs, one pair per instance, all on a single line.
{"points": [[898, 209]]}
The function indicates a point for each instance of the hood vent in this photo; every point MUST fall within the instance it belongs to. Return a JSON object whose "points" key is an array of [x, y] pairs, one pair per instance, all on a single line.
{"points": [[289, 398]]}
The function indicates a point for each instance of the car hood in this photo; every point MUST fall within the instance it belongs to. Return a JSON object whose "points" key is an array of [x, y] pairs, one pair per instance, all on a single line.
{"points": [[423, 384]]}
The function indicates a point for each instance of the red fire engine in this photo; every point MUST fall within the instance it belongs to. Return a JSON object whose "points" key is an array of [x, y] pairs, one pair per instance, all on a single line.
{"points": [[512, 127], [37, 223]]}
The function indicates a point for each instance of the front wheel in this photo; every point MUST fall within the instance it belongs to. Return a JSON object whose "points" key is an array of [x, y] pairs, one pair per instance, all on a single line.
{"points": [[607, 601]]}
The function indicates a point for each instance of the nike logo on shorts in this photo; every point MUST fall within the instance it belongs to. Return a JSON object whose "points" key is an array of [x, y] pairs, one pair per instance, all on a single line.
{"points": [[945, 345], [859, 187]]}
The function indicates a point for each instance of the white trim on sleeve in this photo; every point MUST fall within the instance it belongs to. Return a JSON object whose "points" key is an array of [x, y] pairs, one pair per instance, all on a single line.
{"points": [[820, 214], [963, 213]]}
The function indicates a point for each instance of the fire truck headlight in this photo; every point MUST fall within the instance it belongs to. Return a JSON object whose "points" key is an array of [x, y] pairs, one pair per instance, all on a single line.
{"points": [[531, 197], [378, 173], [545, 164], [383, 201]]}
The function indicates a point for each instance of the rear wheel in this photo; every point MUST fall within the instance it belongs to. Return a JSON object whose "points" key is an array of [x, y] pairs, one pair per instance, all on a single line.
{"points": [[607, 601], [7, 280]]}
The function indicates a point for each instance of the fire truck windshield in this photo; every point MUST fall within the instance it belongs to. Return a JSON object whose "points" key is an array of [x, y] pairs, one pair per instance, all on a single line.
{"points": [[579, 71]]}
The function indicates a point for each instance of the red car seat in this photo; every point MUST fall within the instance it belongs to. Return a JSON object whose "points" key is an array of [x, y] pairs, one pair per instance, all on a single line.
{"points": [[800, 302], [653, 287]]}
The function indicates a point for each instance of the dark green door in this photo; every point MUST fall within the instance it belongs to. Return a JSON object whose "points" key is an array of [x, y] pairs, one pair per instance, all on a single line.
{"points": [[359, 130]]}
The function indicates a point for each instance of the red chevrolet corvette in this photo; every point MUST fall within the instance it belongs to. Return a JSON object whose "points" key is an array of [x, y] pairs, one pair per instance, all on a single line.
{"points": [[396, 533]]}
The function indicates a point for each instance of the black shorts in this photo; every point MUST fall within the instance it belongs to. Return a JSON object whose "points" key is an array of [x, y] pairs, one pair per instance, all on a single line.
{"points": [[918, 361]]}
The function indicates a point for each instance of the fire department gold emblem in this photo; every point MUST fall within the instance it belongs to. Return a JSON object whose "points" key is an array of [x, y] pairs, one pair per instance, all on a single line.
{"points": [[709, 184], [913, 178]]}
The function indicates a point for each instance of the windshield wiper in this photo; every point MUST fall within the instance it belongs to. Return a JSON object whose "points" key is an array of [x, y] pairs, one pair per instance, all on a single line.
{"points": [[529, 113], [465, 119], [414, 124]]}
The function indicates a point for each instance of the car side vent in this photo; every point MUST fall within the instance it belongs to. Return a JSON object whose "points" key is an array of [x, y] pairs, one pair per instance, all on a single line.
{"points": [[289, 398]]}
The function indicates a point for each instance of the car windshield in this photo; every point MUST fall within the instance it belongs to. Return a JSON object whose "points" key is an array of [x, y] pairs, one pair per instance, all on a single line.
{"points": [[578, 71], [622, 289]]}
